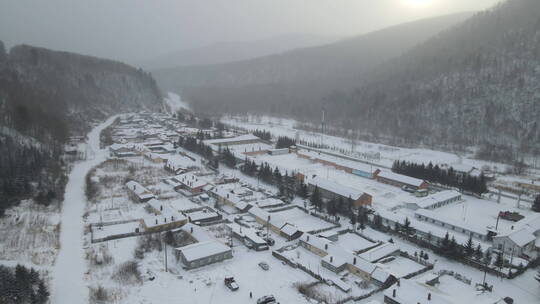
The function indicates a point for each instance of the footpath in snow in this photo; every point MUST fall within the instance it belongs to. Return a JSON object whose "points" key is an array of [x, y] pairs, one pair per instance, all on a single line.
{"points": [[68, 273]]}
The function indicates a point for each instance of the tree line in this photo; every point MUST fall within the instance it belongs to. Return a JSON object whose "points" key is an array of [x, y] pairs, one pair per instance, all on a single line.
{"points": [[447, 177], [22, 286]]}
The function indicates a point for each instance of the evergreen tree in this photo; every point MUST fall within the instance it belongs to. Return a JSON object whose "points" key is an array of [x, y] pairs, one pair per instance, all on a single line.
{"points": [[407, 226], [469, 247], [478, 252], [42, 293], [499, 260], [536, 204], [316, 198]]}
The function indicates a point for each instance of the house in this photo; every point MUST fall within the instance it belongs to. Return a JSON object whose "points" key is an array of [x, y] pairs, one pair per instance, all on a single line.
{"points": [[122, 150], [278, 151], [331, 190], [340, 162], [164, 218], [248, 236], [435, 200], [400, 180], [424, 230], [206, 215], [471, 229], [337, 259], [239, 140], [380, 252], [190, 182], [177, 164], [138, 193], [523, 240], [272, 221], [203, 253], [443, 288], [290, 232]]}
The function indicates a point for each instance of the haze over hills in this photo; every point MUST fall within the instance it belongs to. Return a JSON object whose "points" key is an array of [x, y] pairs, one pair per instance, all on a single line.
{"points": [[474, 84], [301, 74], [47, 95], [223, 52]]}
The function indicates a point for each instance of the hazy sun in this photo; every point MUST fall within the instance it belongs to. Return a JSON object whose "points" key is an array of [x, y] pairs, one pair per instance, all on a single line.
{"points": [[418, 3]]}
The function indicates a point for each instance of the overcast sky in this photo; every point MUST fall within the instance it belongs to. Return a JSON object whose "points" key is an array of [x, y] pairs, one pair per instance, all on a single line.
{"points": [[133, 30]]}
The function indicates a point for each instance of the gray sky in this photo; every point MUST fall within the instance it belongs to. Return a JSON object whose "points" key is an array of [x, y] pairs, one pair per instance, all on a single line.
{"points": [[130, 30]]}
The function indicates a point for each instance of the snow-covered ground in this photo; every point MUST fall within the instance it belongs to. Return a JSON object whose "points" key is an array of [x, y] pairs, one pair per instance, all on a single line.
{"points": [[360, 149], [205, 285], [68, 272]]}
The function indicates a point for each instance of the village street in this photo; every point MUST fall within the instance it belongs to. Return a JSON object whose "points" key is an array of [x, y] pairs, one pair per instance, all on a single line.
{"points": [[68, 284]]}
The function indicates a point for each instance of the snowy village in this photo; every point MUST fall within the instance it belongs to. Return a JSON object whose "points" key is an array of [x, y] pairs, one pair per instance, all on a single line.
{"points": [[239, 211], [270, 152]]}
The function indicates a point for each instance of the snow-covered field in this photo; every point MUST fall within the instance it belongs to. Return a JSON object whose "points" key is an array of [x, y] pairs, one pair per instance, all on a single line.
{"points": [[361, 149], [30, 235]]}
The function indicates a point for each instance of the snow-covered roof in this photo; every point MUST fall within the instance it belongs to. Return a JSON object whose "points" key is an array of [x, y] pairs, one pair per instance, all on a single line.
{"points": [[139, 190], [427, 228], [202, 215], [315, 241], [438, 197], [201, 250], [191, 180], [448, 291], [379, 252], [289, 229], [197, 232], [520, 237], [452, 222], [334, 187], [246, 232], [241, 138], [380, 274], [356, 165], [401, 178]]}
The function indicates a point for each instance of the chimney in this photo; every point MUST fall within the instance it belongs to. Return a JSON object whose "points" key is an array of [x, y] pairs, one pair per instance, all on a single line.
{"points": [[394, 293], [429, 296]]}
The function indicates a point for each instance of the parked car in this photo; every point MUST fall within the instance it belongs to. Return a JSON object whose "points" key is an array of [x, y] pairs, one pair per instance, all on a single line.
{"points": [[264, 265], [266, 300], [231, 283], [270, 241]]}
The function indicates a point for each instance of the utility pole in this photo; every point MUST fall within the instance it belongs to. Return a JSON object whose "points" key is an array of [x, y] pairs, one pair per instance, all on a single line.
{"points": [[268, 227], [165, 249]]}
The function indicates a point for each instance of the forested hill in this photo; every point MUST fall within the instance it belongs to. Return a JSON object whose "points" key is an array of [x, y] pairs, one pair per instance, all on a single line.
{"points": [[47, 95], [280, 82], [477, 84]]}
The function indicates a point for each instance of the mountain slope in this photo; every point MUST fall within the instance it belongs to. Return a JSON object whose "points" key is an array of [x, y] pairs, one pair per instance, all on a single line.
{"points": [[299, 75], [477, 84], [224, 52], [47, 95]]}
